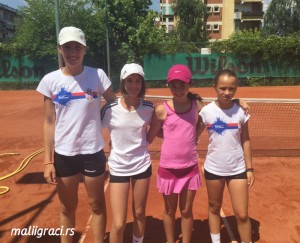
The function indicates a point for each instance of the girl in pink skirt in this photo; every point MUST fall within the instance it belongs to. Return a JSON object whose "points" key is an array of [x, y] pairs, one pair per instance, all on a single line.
{"points": [[178, 174]]}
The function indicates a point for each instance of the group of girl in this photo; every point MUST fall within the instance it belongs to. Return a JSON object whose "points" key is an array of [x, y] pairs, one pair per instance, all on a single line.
{"points": [[74, 145]]}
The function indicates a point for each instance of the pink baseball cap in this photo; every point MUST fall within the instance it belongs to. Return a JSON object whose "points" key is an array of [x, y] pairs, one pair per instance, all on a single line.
{"points": [[179, 72]]}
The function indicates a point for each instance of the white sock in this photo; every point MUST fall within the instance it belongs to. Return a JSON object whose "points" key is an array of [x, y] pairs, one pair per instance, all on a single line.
{"points": [[215, 238], [137, 240]]}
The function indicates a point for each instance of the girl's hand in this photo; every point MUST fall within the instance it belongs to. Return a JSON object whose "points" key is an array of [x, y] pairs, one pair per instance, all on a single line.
{"points": [[250, 177], [50, 174], [243, 104]]}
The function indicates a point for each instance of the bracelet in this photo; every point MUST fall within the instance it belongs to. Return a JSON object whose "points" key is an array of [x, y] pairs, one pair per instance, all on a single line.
{"points": [[48, 163], [249, 170]]}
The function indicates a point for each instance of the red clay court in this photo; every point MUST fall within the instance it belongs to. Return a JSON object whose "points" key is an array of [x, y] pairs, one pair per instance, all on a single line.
{"points": [[274, 198]]}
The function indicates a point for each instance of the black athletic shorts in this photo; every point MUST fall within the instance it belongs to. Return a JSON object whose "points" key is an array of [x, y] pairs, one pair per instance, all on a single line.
{"points": [[125, 179], [91, 165], [210, 176]]}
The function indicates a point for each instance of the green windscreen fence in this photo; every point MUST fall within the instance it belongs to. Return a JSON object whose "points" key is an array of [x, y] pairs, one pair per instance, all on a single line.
{"points": [[24, 69], [206, 66]]}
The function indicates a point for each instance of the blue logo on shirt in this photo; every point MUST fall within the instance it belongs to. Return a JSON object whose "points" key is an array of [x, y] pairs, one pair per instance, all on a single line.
{"points": [[63, 97], [219, 126]]}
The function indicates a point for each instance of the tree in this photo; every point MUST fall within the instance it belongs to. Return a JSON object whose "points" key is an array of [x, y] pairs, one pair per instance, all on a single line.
{"points": [[191, 13], [282, 18], [132, 32], [36, 32], [282, 50]]}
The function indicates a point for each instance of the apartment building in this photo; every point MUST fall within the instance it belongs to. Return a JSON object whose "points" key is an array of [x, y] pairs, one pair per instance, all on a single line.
{"points": [[7, 18], [167, 19], [224, 16]]}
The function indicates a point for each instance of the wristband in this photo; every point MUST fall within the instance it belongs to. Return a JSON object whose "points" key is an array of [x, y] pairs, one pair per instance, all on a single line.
{"points": [[249, 170], [48, 163]]}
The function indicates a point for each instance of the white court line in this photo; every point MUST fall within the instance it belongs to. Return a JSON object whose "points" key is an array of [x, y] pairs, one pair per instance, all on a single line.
{"points": [[227, 226], [88, 223]]}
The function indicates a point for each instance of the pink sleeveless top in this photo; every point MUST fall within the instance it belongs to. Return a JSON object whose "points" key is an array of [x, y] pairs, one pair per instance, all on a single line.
{"points": [[179, 142]]}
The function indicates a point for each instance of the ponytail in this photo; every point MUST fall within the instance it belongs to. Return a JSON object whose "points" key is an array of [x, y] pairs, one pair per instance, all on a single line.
{"points": [[193, 96]]}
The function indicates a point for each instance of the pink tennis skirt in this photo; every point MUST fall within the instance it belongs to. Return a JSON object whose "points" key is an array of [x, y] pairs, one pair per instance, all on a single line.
{"points": [[175, 180]]}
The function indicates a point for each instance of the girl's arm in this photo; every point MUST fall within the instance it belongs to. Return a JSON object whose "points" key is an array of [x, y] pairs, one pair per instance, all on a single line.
{"points": [[155, 126], [109, 95], [48, 131], [243, 104], [247, 153], [199, 126]]}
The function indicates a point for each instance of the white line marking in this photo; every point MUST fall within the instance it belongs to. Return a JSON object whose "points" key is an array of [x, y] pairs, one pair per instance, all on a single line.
{"points": [[227, 226]]}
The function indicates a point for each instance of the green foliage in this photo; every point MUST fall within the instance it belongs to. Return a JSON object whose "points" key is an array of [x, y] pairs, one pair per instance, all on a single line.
{"points": [[36, 30], [245, 42], [132, 31], [281, 50], [190, 27], [282, 18]]}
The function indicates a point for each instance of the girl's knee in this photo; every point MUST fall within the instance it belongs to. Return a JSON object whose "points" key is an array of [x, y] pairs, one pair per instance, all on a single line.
{"points": [[186, 213], [140, 214], [118, 226], [98, 207], [68, 209], [170, 211], [242, 218], [215, 209]]}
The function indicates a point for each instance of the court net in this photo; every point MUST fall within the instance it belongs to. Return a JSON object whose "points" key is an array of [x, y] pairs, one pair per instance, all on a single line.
{"points": [[274, 128]]}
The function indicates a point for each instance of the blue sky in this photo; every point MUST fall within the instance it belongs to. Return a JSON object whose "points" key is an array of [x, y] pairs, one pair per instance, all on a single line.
{"points": [[13, 3]]}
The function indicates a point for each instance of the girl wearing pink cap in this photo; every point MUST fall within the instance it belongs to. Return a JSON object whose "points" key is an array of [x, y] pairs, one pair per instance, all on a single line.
{"points": [[178, 176]]}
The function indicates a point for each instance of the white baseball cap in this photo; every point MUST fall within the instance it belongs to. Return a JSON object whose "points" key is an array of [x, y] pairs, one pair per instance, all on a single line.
{"points": [[131, 68], [71, 33]]}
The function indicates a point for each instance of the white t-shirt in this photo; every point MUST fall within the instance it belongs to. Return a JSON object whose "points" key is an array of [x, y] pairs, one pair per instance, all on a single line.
{"points": [[225, 155], [129, 155], [77, 107]]}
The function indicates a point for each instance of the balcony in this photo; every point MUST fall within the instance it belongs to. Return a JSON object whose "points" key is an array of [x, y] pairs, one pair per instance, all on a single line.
{"points": [[251, 1], [252, 16], [248, 1], [249, 15]]}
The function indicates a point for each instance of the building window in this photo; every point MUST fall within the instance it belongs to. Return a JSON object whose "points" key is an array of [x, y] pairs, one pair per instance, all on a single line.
{"points": [[170, 28], [216, 9], [209, 9], [215, 27], [208, 27]]}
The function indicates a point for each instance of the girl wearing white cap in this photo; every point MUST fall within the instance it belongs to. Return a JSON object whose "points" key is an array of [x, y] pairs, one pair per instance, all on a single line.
{"points": [[127, 119], [72, 129]]}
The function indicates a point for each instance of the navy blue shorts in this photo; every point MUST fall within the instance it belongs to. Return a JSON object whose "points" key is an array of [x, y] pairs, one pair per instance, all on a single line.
{"points": [[91, 165], [125, 179], [210, 176]]}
